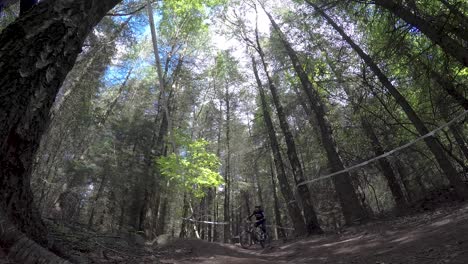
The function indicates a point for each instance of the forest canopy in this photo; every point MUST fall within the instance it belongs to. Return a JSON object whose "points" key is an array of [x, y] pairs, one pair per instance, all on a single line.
{"points": [[326, 113]]}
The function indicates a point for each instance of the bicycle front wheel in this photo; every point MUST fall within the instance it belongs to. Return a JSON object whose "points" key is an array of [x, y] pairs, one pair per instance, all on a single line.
{"points": [[245, 239]]}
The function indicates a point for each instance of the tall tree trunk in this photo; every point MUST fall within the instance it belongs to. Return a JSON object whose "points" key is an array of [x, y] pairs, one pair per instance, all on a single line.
{"points": [[463, 19], [259, 190], [293, 208], [435, 32], [310, 216], [215, 218], [162, 216], [227, 177], [446, 84], [218, 153], [96, 199], [183, 227], [432, 143], [461, 141], [405, 179], [352, 209], [279, 229], [37, 50], [209, 213], [392, 181]]}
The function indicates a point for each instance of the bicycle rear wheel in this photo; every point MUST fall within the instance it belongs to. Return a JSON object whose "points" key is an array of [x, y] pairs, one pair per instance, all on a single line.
{"points": [[261, 236]]}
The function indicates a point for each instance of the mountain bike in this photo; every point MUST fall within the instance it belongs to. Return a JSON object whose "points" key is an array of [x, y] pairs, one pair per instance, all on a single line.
{"points": [[253, 235]]}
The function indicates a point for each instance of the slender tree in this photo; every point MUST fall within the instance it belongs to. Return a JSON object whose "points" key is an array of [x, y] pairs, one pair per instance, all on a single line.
{"points": [[435, 30], [432, 143], [352, 209], [310, 215], [292, 205]]}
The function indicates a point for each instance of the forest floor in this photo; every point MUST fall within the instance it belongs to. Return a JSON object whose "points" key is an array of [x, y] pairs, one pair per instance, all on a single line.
{"points": [[439, 236]]}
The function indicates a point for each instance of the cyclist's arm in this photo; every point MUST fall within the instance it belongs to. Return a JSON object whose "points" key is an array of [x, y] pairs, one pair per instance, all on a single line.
{"points": [[250, 216]]}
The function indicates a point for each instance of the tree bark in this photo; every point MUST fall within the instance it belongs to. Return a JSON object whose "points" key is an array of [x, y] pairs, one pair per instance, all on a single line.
{"points": [[183, 227], [293, 208], [447, 85], [21, 249], [36, 53], [209, 212], [227, 177], [279, 230], [310, 215], [352, 209], [162, 216], [259, 190], [432, 143], [96, 199], [386, 167], [461, 141], [387, 170], [463, 19]]}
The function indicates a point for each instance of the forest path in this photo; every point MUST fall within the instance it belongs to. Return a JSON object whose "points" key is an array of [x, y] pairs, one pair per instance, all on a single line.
{"points": [[436, 237]]}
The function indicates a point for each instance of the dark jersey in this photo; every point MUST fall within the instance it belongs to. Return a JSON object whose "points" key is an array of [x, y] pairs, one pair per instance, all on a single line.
{"points": [[259, 215]]}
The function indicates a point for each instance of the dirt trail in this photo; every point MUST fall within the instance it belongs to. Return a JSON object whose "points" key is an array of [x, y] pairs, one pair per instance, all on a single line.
{"points": [[436, 237]]}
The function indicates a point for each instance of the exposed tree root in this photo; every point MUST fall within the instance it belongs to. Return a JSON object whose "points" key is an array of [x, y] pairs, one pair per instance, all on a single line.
{"points": [[22, 249]]}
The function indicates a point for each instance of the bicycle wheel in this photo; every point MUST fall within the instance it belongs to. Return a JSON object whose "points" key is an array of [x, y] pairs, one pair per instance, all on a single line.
{"points": [[245, 239]]}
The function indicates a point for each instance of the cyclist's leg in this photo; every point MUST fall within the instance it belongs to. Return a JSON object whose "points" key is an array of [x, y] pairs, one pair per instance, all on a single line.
{"points": [[261, 225], [264, 227]]}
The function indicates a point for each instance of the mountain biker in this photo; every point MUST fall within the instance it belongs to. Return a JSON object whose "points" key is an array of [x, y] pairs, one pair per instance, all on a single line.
{"points": [[259, 217]]}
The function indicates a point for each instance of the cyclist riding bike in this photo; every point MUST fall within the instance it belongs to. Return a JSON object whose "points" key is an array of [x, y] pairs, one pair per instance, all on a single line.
{"points": [[259, 217]]}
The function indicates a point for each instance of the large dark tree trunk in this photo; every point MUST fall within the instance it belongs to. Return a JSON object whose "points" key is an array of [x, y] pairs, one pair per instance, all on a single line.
{"points": [[435, 30], [292, 205], [352, 209], [310, 215], [432, 143], [36, 53]]}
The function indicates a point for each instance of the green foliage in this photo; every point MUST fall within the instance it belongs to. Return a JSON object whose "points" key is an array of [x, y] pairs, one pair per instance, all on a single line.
{"points": [[194, 169], [184, 6]]}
